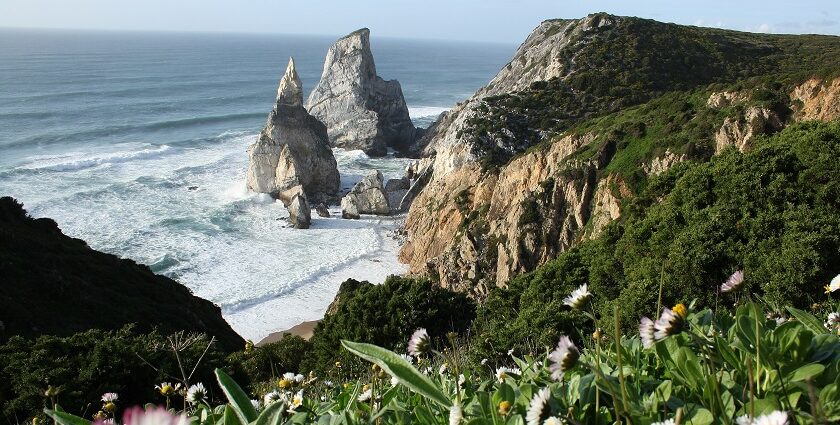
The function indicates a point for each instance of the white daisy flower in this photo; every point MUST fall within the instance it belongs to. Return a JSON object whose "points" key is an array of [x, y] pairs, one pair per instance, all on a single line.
{"points": [[407, 358], [503, 373], [536, 409], [109, 421], [483, 362], [832, 321], [289, 376], [510, 352], [461, 380], [455, 414], [110, 397], [419, 344], [196, 393], [646, 331], [734, 282], [670, 323], [554, 420], [442, 368], [834, 285], [299, 378], [256, 404], [563, 357], [271, 398], [366, 395], [578, 297], [329, 384], [297, 400], [394, 381], [773, 418]]}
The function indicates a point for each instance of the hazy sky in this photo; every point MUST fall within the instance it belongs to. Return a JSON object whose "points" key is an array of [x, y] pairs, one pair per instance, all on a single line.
{"points": [[489, 20]]}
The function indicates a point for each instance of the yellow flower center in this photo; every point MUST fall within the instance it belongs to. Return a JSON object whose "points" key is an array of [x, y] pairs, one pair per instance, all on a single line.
{"points": [[167, 390], [680, 310], [504, 407], [284, 383], [109, 406]]}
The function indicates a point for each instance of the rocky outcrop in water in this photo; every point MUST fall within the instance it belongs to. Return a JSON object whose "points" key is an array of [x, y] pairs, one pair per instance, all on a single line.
{"points": [[300, 215], [367, 197], [360, 109], [293, 149]]}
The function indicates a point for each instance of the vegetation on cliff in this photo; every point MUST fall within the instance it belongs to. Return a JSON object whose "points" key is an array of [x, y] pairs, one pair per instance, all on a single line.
{"points": [[629, 62], [772, 212]]}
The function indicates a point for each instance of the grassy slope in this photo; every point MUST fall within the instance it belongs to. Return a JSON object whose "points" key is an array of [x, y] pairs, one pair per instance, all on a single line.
{"points": [[54, 284]]}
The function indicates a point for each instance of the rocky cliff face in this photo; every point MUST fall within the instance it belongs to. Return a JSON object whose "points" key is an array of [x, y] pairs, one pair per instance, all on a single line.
{"points": [[293, 149], [360, 109], [474, 228]]}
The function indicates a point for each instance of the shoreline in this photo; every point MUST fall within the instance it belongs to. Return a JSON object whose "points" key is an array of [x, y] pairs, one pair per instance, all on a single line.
{"points": [[303, 330], [269, 319]]}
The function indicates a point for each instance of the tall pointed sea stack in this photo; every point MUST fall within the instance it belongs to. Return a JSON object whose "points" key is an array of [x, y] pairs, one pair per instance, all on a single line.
{"points": [[293, 149], [360, 109]]}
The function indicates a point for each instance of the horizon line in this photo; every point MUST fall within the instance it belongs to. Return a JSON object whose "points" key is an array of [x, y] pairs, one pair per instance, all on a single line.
{"points": [[246, 33]]}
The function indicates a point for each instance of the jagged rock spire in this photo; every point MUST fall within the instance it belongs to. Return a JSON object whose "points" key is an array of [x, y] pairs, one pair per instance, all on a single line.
{"points": [[290, 91]]}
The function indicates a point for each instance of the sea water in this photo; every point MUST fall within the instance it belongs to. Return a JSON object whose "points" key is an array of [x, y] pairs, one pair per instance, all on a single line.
{"points": [[136, 143]]}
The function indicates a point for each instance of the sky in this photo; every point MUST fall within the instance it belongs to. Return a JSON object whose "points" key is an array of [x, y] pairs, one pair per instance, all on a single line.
{"points": [[504, 21]]}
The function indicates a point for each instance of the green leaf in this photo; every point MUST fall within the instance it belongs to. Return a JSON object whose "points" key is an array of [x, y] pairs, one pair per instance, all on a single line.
{"points": [[701, 417], [229, 418], [239, 401], [62, 418], [808, 320], [805, 372], [272, 414], [399, 368]]}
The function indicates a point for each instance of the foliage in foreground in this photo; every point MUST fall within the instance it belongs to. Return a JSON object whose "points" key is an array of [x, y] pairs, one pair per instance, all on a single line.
{"points": [[709, 369]]}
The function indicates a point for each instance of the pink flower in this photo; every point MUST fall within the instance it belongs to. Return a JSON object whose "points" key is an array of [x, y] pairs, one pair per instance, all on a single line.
{"points": [[153, 416]]}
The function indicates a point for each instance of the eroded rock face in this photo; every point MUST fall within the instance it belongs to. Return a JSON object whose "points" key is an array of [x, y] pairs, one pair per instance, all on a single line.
{"points": [[606, 204], [471, 228], [293, 149], [663, 163], [817, 100], [723, 99], [367, 197], [359, 108], [739, 132]]}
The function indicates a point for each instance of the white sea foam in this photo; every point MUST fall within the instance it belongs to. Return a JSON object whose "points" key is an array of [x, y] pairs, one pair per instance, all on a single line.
{"points": [[416, 112], [187, 212], [80, 160]]}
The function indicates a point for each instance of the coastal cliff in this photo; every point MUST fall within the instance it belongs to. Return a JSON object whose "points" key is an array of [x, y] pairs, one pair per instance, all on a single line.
{"points": [[584, 114]]}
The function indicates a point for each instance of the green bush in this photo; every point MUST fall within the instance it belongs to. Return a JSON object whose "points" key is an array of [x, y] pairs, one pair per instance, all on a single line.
{"points": [[258, 365], [386, 315], [86, 365]]}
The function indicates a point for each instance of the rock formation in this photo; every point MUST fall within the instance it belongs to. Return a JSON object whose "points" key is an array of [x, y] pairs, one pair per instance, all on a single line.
{"points": [[816, 99], [300, 214], [367, 197], [293, 149], [359, 108], [740, 131]]}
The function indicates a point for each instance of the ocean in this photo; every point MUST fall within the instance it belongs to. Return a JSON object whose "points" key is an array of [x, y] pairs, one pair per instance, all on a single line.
{"points": [[136, 143]]}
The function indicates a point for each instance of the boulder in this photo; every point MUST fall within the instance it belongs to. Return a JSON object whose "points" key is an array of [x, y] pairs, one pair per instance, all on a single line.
{"points": [[360, 109], [397, 184], [293, 149], [322, 210], [366, 197], [299, 212]]}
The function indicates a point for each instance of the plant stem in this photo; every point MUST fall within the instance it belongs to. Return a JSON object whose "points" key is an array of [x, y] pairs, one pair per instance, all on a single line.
{"points": [[619, 356]]}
